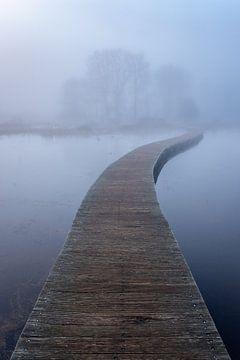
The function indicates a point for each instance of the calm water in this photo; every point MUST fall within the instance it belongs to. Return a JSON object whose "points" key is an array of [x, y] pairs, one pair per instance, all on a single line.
{"points": [[199, 193], [43, 182]]}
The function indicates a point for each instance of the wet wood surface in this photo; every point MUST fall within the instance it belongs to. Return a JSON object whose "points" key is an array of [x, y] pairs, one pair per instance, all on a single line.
{"points": [[121, 288]]}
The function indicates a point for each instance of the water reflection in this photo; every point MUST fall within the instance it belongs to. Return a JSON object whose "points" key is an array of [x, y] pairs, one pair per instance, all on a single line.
{"points": [[42, 183], [199, 193]]}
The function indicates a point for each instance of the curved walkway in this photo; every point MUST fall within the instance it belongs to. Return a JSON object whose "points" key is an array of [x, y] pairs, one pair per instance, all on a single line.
{"points": [[121, 288]]}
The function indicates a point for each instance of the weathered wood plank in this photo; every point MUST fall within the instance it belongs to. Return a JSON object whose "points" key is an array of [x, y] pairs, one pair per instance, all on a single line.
{"points": [[121, 288]]}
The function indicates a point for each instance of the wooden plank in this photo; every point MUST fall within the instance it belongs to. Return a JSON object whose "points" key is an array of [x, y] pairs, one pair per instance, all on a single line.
{"points": [[121, 288]]}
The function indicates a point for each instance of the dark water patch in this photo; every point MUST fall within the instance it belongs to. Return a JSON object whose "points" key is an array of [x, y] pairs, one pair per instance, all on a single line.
{"points": [[199, 194]]}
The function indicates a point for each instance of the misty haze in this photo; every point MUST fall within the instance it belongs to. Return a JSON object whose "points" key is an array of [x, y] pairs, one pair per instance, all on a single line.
{"points": [[83, 83]]}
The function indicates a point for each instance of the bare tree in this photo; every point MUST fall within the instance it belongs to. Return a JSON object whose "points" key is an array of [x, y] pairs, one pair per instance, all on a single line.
{"points": [[118, 78], [120, 89]]}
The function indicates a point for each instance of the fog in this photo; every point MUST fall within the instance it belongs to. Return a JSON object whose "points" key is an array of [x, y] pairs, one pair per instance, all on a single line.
{"points": [[188, 48], [126, 72]]}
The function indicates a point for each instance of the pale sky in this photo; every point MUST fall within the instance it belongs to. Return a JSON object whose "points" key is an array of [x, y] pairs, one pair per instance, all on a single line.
{"points": [[43, 42]]}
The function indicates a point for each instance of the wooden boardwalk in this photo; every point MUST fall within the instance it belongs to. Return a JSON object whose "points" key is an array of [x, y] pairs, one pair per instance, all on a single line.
{"points": [[121, 288]]}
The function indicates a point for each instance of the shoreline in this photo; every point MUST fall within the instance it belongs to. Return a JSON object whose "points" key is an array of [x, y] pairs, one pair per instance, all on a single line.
{"points": [[87, 131]]}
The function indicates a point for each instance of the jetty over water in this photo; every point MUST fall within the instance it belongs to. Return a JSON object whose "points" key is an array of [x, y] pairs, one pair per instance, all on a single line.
{"points": [[121, 288]]}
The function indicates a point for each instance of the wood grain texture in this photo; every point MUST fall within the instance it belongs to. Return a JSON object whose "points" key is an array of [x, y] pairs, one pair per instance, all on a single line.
{"points": [[121, 288]]}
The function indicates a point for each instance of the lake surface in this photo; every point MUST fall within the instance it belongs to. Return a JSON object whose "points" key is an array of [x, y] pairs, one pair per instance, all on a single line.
{"points": [[42, 184], [199, 193], [43, 181]]}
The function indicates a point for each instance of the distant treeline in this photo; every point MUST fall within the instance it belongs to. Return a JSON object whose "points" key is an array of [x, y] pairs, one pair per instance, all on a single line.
{"points": [[119, 88]]}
